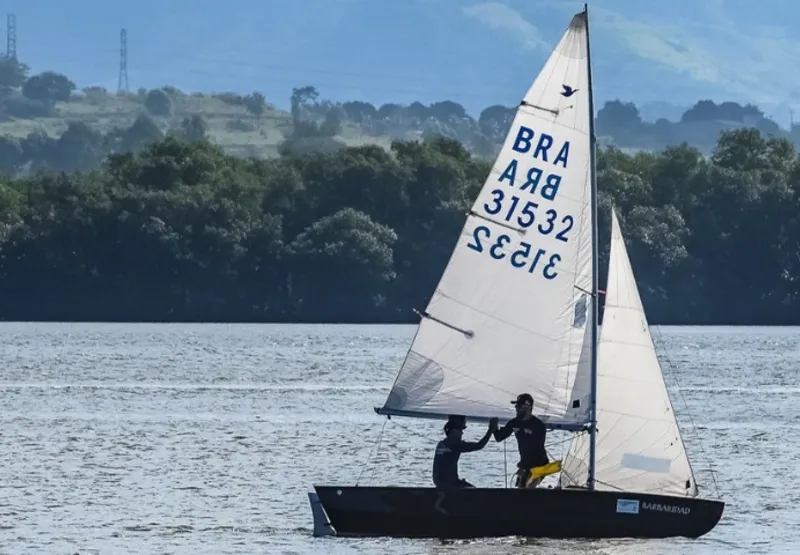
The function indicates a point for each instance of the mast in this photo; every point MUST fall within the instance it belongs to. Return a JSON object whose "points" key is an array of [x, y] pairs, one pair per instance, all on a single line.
{"points": [[590, 483]]}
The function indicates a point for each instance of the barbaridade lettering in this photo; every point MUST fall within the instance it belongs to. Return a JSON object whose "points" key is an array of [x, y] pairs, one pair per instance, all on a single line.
{"points": [[662, 508]]}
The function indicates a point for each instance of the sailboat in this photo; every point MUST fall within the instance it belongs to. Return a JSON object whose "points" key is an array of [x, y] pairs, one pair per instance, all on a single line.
{"points": [[516, 311]]}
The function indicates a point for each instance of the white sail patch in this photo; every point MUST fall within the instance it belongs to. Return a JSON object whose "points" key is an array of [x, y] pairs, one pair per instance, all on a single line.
{"points": [[646, 464]]}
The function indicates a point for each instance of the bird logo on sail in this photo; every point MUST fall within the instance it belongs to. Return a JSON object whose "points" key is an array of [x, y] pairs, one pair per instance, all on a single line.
{"points": [[579, 317], [568, 91]]}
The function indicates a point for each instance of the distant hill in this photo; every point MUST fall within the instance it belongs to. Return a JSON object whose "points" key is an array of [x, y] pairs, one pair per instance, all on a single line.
{"points": [[47, 125]]}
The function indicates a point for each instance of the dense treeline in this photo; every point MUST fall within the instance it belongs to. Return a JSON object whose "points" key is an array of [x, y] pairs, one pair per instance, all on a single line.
{"points": [[149, 221], [618, 123], [182, 231], [700, 126]]}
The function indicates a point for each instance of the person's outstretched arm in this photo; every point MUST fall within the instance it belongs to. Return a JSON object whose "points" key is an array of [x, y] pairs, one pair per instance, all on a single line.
{"points": [[503, 433], [470, 446]]}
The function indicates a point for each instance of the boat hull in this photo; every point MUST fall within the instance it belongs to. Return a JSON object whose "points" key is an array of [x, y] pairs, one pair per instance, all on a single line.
{"points": [[406, 512]]}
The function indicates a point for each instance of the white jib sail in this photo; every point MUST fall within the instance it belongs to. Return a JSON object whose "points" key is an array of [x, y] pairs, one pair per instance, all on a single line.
{"points": [[510, 312], [639, 444]]}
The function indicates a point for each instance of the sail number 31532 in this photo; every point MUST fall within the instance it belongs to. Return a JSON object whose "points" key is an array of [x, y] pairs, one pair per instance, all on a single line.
{"points": [[525, 212], [522, 257]]}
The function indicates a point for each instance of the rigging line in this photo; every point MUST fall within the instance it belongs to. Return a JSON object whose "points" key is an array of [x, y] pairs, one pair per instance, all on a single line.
{"points": [[646, 491], [505, 464], [574, 435], [612, 486], [673, 374], [571, 440], [375, 446], [411, 430]]}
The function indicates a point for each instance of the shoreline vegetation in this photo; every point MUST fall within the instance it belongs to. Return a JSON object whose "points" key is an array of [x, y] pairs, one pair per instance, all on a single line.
{"points": [[163, 206]]}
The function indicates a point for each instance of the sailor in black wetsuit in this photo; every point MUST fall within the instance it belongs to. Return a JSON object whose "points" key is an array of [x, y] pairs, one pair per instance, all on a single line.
{"points": [[445, 461], [530, 433]]}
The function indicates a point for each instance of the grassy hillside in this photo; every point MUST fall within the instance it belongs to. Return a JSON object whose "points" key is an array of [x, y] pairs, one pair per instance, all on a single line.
{"points": [[230, 124]]}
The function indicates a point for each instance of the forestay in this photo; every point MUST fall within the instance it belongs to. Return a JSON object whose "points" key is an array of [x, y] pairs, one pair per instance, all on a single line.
{"points": [[639, 445], [510, 312]]}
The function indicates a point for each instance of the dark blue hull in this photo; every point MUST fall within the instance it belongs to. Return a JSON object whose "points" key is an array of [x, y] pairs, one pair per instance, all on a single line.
{"points": [[535, 513]]}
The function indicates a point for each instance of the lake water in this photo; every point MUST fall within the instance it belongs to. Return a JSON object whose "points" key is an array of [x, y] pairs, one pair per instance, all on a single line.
{"points": [[205, 439]]}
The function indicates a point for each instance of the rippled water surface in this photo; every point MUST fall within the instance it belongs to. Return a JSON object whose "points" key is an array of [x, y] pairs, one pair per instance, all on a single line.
{"points": [[204, 439]]}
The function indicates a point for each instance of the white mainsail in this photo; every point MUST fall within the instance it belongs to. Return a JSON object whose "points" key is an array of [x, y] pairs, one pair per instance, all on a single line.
{"points": [[511, 311], [639, 444]]}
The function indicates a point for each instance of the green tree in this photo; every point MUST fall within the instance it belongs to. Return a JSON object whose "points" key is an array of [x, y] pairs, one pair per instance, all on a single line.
{"points": [[79, 148], [141, 133], [496, 120], [158, 103], [10, 156], [255, 103], [621, 120], [12, 73], [333, 122], [48, 87], [359, 111], [341, 259], [302, 99], [193, 128], [446, 110]]}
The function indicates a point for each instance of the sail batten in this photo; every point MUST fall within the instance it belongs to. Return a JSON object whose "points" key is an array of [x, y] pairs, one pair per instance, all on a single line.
{"points": [[509, 314]]}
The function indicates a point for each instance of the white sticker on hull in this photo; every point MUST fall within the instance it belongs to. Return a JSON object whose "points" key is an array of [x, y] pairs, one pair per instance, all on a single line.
{"points": [[628, 506]]}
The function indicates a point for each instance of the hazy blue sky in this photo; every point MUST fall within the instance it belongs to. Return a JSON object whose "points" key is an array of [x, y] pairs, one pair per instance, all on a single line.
{"points": [[475, 52]]}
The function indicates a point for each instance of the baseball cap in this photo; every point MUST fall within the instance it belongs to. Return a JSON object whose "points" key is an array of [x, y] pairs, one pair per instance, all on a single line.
{"points": [[523, 399], [455, 423]]}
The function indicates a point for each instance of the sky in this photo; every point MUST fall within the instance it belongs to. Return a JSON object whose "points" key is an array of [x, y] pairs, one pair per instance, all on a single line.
{"points": [[475, 52]]}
